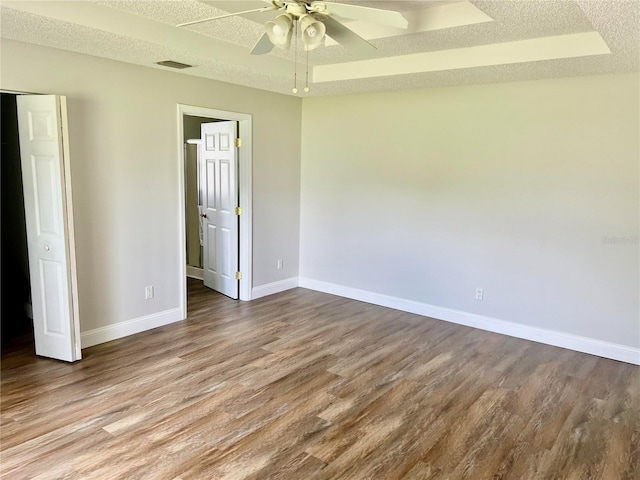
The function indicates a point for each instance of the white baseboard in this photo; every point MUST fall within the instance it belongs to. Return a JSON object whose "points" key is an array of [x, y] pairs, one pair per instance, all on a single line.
{"points": [[274, 287], [130, 327], [195, 272], [592, 346]]}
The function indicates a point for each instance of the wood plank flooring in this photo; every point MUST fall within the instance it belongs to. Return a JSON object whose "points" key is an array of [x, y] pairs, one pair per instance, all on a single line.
{"points": [[304, 385]]}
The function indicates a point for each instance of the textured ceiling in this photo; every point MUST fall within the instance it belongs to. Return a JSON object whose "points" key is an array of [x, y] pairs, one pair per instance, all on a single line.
{"points": [[143, 32]]}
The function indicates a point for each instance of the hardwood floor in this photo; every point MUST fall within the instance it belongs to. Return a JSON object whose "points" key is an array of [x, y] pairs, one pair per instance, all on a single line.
{"points": [[304, 385]]}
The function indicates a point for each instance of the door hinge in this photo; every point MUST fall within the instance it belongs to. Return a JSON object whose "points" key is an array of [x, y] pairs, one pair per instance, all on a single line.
{"points": [[238, 211], [238, 275], [238, 142]]}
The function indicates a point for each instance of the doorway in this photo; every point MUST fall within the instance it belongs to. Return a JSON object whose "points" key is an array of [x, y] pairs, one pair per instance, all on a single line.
{"points": [[188, 115], [37, 224], [17, 322], [194, 193]]}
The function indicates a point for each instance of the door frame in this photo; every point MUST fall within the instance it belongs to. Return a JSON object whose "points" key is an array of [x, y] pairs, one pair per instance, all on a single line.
{"points": [[245, 160]]}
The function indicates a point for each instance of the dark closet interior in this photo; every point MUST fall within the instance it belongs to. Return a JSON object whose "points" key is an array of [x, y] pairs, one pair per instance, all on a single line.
{"points": [[14, 287]]}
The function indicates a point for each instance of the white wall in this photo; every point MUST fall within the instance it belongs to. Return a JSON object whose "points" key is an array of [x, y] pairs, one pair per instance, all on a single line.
{"points": [[426, 195], [123, 139]]}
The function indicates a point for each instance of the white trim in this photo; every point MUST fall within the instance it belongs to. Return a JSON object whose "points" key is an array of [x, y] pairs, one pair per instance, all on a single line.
{"points": [[16, 92], [195, 272], [182, 217], [130, 327], [578, 343], [274, 287], [245, 161]]}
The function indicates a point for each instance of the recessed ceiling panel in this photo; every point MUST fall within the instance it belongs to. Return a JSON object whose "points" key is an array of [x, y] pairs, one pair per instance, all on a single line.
{"points": [[425, 19], [548, 48]]}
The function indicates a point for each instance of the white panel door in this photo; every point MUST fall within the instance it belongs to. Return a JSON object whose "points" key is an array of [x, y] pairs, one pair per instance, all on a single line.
{"points": [[47, 201], [220, 223]]}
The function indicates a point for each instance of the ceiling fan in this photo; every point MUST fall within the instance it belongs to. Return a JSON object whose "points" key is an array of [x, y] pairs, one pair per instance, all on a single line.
{"points": [[316, 21]]}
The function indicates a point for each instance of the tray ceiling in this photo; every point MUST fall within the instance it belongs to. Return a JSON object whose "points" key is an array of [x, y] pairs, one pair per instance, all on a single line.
{"points": [[447, 42]]}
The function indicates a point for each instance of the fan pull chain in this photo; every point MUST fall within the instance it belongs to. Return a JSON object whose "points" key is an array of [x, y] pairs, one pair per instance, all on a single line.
{"points": [[306, 85], [295, 57]]}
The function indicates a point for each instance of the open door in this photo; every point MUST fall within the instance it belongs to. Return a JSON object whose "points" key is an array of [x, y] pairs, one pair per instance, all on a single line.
{"points": [[42, 126], [220, 222]]}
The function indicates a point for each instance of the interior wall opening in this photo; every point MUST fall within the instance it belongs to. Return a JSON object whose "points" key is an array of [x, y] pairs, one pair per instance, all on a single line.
{"points": [[193, 193], [190, 121], [17, 322]]}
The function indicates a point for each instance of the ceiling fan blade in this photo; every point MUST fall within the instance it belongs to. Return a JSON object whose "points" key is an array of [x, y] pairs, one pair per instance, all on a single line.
{"points": [[346, 37], [255, 10], [367, 14], [262, 46]]}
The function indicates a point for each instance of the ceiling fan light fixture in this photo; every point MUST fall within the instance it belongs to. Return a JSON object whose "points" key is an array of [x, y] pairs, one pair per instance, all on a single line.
{"points": [[313, 32], [279, 30]]}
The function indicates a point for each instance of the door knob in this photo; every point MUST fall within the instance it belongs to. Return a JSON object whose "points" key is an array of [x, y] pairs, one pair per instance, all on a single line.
{"points": [[47, 247], [203, 215]]}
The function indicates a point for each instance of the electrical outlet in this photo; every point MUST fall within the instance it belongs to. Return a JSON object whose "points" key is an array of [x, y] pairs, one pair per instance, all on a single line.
{"points": [[279, 264], [479, 294], [148, 292]]}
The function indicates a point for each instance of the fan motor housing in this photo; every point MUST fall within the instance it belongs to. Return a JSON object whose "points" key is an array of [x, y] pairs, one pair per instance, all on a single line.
{"points": [[296, 9]]}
